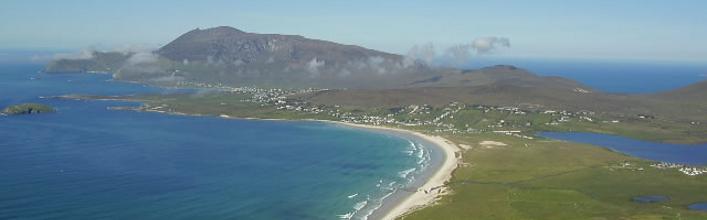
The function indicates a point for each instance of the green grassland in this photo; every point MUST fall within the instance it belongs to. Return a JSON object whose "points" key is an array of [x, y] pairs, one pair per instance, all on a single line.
{"points": [[541, 179]]}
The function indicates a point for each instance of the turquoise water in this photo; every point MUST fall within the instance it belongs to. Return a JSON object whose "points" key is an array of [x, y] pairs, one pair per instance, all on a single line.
{"points": [[691, 154], [86, 162]]}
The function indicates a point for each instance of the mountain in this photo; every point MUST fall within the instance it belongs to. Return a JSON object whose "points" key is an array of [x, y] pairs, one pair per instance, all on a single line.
{"points": [[230, 45], [233, 57], [228, 56], [499, 74]]}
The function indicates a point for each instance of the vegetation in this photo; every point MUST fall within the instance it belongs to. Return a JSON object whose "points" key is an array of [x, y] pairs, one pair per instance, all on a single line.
{"points": [[27, 108], [541, 179]]}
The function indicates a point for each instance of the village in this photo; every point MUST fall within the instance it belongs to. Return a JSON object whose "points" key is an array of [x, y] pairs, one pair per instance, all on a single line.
{"points": [[687, 170]]}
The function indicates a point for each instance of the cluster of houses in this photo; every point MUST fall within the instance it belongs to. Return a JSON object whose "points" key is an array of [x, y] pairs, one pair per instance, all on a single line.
{"points": [[566, 116], [512, 110], [216, 85], [687, 170]]}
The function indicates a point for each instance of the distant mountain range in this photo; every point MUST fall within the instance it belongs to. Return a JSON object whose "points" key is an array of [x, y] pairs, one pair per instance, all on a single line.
{"points": [[363, 77]]}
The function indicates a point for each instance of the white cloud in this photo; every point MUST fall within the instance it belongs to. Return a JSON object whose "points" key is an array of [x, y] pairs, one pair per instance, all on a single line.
{"points": [[485, 45], [458, 54], [314, 65], [425, 53], [81, 55], [142, 58], [454, 55]]}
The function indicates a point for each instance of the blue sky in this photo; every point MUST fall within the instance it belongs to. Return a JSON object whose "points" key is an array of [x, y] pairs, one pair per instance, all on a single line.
{"points": [[646, 29]]}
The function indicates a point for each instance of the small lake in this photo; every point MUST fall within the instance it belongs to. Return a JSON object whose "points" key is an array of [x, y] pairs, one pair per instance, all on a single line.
{"points": [[691, 154], [650, 199], [698, 207]]}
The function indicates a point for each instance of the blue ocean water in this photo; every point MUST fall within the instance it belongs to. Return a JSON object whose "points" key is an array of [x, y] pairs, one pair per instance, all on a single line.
{"points": [[693, 154], [87, 162], [611, 76]]}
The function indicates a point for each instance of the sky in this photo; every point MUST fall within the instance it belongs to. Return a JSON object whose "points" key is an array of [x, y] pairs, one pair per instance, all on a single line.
{"points": [[608, 29]]}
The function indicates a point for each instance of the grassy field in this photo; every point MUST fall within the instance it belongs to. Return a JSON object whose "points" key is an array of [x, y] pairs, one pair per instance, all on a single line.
{"points": [[526, 179], [541, 179]]}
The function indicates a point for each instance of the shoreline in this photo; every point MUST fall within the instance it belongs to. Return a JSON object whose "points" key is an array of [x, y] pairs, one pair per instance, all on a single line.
{"points": [[434, 184], [401, 202]]}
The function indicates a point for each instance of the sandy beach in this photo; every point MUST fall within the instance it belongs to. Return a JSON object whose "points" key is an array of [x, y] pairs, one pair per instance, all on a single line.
{"points": [[433, 186]]}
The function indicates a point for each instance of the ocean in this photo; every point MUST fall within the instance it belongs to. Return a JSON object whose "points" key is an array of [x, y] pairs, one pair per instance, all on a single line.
{"points": [[87, 162]]}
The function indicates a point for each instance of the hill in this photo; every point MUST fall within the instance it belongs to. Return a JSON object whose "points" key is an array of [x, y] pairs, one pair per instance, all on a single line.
{"points": [[696, 92], [499, 74]]}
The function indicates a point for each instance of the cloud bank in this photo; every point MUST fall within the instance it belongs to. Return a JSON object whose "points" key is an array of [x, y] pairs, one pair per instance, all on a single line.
{"points": [[457, 54], [486, 45], [81, 55]]}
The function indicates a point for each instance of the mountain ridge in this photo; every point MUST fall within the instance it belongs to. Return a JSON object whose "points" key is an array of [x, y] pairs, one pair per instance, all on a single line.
{"points": [[231, 57]]}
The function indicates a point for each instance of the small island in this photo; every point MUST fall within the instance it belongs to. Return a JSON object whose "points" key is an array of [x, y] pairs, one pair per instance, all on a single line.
{"points": [[27, 108]]}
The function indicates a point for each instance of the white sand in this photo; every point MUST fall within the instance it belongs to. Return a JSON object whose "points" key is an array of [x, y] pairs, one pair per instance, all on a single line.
{"points": [[436, 181], [492, 143]]}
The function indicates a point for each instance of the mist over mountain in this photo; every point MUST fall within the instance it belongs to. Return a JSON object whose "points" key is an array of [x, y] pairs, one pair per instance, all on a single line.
{"points": [[233, 57]]}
